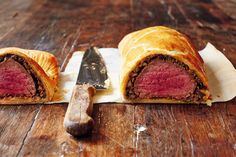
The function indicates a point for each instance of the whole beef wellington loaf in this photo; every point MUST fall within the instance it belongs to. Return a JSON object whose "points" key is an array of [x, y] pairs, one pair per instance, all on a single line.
{"points": [[27, 76], [161, 65]]}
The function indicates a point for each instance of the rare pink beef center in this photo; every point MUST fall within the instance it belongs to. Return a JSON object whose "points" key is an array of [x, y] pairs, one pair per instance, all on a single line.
{"points": [[164, 79], [14, 80]]}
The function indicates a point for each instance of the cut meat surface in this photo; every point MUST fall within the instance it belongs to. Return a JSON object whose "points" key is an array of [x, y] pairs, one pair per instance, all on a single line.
{"points": [[15, 80], [164, 79]]}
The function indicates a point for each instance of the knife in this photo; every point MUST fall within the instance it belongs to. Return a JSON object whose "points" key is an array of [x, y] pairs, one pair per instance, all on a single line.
{"points": [[92, 76]]}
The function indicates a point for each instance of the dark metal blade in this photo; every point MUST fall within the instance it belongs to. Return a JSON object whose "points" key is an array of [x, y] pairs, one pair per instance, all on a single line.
{"points": [[93, 69]]}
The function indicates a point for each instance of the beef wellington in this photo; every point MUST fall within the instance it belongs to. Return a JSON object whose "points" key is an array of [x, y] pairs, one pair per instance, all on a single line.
{"points": [[161, 65], [27, 76]]}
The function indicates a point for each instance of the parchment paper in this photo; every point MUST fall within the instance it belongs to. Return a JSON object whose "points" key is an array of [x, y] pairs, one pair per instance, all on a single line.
{"points": [[220, 72]]}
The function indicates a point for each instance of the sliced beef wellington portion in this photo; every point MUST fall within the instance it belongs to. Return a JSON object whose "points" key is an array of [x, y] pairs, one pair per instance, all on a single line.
{"points": [[161, 65], [23, 80]]}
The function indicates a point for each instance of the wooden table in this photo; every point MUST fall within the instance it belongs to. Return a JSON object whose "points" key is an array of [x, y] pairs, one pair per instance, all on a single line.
{"points": [[64, 26]]}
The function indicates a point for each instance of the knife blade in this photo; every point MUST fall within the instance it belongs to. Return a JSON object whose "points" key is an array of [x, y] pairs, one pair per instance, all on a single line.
{"points": [[93, 70], [92, 76]]}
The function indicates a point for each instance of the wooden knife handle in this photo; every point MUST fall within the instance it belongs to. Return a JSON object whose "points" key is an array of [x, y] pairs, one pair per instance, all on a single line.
{"points": [[78, 119]]}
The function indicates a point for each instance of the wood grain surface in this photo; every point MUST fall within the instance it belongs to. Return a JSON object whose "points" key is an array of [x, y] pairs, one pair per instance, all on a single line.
{"points": [[64, 26]]}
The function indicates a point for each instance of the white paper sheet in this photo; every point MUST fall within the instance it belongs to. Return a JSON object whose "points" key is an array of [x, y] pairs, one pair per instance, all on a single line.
{"points": [[220, 72]]}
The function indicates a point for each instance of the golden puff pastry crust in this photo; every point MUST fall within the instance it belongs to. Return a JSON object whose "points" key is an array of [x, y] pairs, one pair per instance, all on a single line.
{"points": [[136, 47], [43, 66]]}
